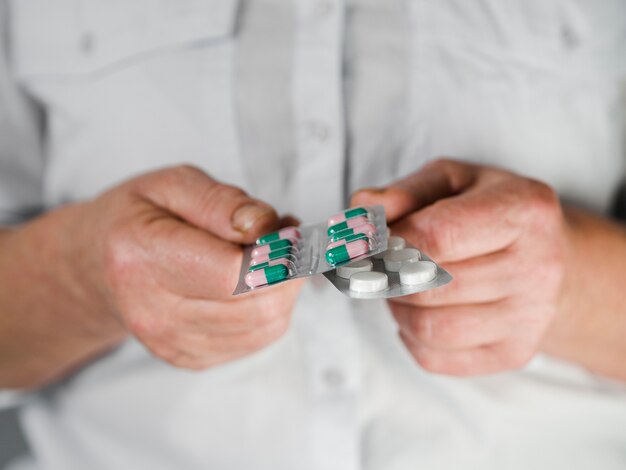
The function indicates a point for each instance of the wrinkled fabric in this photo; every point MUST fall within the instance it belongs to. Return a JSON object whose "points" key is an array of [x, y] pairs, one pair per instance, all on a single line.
{"points": [[301, 103]]}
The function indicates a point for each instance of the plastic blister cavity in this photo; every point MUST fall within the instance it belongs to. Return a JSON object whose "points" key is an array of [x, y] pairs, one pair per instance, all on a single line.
{"points": [[297, 252], [400, 270]]}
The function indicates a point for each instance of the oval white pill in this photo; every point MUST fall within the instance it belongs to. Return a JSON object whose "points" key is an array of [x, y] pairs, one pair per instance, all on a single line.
{"points": [[394, 260], [393, 244], [418, 272], [368, 281], [359, 266]]}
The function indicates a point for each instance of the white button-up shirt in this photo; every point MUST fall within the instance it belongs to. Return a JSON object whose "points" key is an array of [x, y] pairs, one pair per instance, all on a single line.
{"points": [[301, 103]]}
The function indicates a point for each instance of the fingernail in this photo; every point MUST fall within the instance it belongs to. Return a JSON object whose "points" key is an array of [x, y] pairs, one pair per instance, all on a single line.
{"points": [[246, 216]]}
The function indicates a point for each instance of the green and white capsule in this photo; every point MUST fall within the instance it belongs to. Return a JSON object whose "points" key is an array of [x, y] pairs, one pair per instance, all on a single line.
{"points": [[272, 246], [348, 239], [267, 275], [291, 233], [272, 255], [284, 261], [350, 223], [347, 214], [367, 229], [341, 254]]}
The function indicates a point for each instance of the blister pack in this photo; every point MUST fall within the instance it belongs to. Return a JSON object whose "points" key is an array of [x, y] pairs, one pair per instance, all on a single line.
{"points": [[400, 270], [296, 252]]}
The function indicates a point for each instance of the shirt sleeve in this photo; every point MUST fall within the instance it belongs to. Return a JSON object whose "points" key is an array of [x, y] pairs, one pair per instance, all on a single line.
{"points": [[21, 156]]}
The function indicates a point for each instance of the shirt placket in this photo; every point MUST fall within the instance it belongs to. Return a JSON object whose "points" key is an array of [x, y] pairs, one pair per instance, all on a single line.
{"points": [[318, 191], [317, 184]]}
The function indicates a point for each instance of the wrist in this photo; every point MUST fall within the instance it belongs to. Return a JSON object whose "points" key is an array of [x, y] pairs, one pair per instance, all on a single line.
{"points": [[567, 320], [591, 317], [53, 259], [78, 241]]}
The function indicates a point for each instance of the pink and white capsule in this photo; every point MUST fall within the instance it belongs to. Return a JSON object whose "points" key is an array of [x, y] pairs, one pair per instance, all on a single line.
{"points": [[266, 257], [356, 221], [357, 248], [255, 278], [347, 214], [284, 261], [343, 241], [264, 249], [287, 232], [368, 229]]}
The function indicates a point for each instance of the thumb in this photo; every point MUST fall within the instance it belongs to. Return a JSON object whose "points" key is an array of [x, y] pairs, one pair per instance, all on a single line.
{"points": [[225, 211], [435, 180]]}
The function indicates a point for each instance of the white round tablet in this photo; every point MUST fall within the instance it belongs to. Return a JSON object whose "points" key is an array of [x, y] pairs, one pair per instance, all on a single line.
{"points": [[393, 244], [418, 272], [394, 260], [368, 281], [358, 266]]}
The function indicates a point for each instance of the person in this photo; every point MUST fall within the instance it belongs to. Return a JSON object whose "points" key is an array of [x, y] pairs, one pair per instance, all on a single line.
{"points": [[143, 144]]}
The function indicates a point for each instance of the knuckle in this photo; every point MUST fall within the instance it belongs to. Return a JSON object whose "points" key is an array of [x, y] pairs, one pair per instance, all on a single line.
{"points": [[151, 327], [215, 195], [258, 339], [428, 297], [420, 326], [441, 162], [273, 332], [541, 199], [174, 175], [428, 360], [265, 317], [120, 255], [516, 357], [223, 192], [186, 171], [281, 327], [270, 309], [430, 230], [435, 328], [165, 352], [446, 330]]}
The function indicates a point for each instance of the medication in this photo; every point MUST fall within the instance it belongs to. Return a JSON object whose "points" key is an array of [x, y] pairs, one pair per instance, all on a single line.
{"points": [[284, 253], [418, 272], [267, 275], [367, 229], [284, 261], [354, 252], [348, 214], [368, 282], [272, 246], [288, 232], [341, 254], [394, 260], [347, 270], [393, 244], [293, 253], [348, 239], [412, 272], [350, 223]]}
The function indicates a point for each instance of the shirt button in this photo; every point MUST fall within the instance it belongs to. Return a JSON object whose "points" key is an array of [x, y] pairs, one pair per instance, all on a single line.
{"points": [[334, 378], [318, 131], [569, 37], [87, 43]]}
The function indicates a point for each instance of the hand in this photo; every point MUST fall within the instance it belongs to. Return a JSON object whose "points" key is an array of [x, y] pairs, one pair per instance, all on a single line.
{"points": [[162, 254], [503, 239]]}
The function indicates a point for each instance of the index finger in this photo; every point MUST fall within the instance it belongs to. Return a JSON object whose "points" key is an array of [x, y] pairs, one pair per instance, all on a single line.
{"points": [[461, 227], [193, 263], [436, 180]]}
